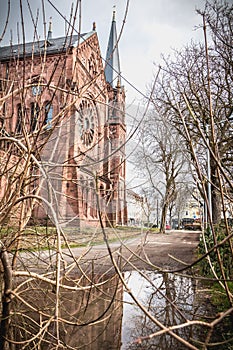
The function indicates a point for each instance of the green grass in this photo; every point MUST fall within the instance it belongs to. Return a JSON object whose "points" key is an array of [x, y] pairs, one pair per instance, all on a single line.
{"points": [[44, 238]]}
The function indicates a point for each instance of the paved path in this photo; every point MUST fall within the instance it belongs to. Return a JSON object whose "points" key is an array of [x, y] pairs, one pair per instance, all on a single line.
{"points": [[144, 251], [161, 250]]}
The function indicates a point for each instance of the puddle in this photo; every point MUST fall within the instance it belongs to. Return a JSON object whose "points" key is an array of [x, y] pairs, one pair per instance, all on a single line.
{"points": [[155, 296], [105, 317]]}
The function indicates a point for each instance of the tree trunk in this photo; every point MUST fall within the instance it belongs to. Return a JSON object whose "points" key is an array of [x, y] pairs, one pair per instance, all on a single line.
{"points": [[163, 218], [6, 298], [216, 199]]}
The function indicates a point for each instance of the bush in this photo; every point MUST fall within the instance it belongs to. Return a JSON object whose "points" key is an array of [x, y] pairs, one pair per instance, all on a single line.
{"points": [[224, 250]]}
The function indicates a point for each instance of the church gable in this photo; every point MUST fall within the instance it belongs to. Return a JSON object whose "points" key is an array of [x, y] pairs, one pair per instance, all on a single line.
{"points": [[88, 65]]}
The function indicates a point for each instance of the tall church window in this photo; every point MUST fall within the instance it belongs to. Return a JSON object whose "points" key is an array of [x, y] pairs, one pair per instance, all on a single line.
{"points": [[122, 166], [19, 121], [92, 65], [48, 115], [93, 210], [86, 202], [101, 199], [35, 110], [82, 188]]}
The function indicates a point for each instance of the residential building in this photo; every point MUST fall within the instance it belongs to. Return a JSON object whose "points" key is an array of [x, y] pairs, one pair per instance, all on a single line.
{"points": [[135, 209]]}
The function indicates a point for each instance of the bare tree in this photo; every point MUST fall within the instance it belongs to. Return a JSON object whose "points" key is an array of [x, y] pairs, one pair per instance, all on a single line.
{"points": [[194, 93], [163, 160], [199, 78], [184, 192]]}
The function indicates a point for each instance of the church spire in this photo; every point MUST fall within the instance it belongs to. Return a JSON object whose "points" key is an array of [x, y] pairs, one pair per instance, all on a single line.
{"points": [[112, 68], [49, 36]]}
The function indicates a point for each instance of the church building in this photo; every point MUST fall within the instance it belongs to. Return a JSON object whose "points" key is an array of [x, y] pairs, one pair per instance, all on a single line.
{"points": [[63, 131]]}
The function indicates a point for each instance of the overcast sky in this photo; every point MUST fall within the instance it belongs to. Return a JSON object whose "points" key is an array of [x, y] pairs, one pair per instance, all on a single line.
{"points": [[152, 27]]}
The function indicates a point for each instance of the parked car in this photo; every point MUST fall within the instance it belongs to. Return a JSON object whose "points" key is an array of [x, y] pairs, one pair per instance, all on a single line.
{"points": [[191, 224], [185, 222]]}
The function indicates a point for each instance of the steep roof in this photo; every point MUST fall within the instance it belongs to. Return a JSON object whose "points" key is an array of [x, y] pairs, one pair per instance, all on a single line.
{"points": [[112, 68], [53, 46]]}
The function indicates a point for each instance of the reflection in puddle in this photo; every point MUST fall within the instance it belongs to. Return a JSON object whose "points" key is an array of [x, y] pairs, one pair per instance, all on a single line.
{"points": [[156, 296], [89, 318], [94, 316]]}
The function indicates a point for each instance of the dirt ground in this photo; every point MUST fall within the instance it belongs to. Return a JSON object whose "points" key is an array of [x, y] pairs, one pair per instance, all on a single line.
{"points": [[127, 250], [172, 250]]}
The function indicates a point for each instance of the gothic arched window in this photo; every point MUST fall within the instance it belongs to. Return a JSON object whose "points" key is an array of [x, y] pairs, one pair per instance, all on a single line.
{"points": [[93, 208], [35, 110], [18, 128], [82, 190], [48, 115], [102, 193], [92, 65]]}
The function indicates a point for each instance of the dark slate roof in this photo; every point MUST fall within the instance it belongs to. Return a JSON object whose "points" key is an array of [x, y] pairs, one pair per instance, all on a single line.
{"points": [[54, 45], [112, 68]]}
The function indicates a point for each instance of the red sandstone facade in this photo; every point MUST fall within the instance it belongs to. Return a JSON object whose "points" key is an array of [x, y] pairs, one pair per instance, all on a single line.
{"points": [[58, 104]]}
